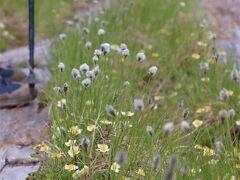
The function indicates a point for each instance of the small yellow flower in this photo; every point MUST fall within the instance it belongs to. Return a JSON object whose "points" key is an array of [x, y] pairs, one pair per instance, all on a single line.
{"points": [[208, 151], [103, 148], [195, 56], [201, 44], [237, 166], [56, 155], [70, 143], [197, 123], [114, 46], [230, 93], [128, 114], [140, 172], [235, 152], [42, 147], [173, 94], [74, 150], [91, 127], [70, 167], [61, 103], [115, 167], [158, 98], [203, 110], [155, 55], [75, 130], [198, 146], [89, 103], [205, 79]]}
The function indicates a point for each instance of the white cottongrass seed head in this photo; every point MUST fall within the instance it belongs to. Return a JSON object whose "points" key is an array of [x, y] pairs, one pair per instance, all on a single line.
{"points": [[231, 113], [138, 104], [149, 130], [101, 32], [86, 82], [125, 53], [75, 73], [223, 94], [61, 66], [235, 75], [88, 45], [84, 68], [121, 157], [153, 70], [156, 162], [185, 126], [168, 127], [111, 111], [204, 67], [141, 56], [62, 36], [105, 48]]}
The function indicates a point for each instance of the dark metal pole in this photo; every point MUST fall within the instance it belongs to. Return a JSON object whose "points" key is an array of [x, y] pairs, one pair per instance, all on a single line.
{"points": [[31, 36]]}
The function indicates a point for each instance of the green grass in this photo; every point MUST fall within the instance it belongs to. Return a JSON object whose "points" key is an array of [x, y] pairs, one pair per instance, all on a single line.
{"points": [[49, 16], [155, 26]]}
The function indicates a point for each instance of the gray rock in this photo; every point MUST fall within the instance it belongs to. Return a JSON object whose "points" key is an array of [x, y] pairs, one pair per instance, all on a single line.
{"points": [[17, 172]]}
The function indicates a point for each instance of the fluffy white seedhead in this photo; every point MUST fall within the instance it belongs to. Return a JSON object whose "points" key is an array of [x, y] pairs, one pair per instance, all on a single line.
{"points": [[126, 83], [123, 46], [88, 45], [185, 126], [153, 70], [75, 73], [138, 104], [101, 32], [97, 53], [57, 89], [121, 157], [61, 66], [141, 56], [156, 162], [168, 127], [96, 70], [149, 130], [86, 30], [90, 74], [235, 75], [125, 53], [86, 82], [95, 59], [223, 94], [204, 67], [223, 114], [62, 36], [105, 48], [231, 113], [182, 4], [110, 110], [84, 68]]}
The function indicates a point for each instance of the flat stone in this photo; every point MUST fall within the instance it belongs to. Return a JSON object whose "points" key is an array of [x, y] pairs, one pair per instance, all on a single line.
{"points": [[23, 126], [17, 155], [17, 172], [20, 55], [2, 158]]}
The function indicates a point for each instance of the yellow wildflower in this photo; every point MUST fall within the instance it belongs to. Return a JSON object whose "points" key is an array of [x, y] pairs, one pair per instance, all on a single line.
{"points": [[128, 114], [75, 130], [237, 166], [81, 172], [56, 155], [42, 147], [70, 167], [91, 127], [198, 146], [230, 93], [208, 151], [197, 123], [70, 143], [74, 150], [89, 103], [103, 148], [195, 56], [61, 103], [205, 79], [140, 172], [155, 55], [115, 167], [202, 44]]}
